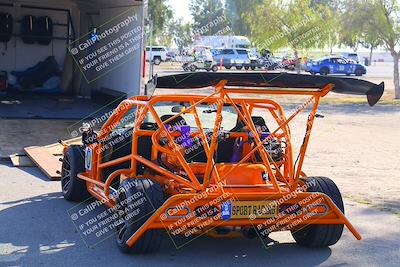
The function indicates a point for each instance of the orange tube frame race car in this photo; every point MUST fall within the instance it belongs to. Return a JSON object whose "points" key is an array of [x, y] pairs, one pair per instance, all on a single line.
{"points": [[254, 194]]}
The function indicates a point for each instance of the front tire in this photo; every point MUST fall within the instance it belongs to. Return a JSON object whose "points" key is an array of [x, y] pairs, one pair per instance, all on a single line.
{"points": [[151, 240], [214, 68], [359, 72], [73, 188], [239, 67], [157, 61], [321, 235], [192, 68]]}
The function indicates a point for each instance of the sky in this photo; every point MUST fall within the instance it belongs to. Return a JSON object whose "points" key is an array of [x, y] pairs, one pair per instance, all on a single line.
{"points": [[181, 9]]}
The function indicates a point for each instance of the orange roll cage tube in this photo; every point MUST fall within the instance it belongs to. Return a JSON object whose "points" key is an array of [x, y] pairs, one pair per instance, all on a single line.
{"points": [[284, 177]]}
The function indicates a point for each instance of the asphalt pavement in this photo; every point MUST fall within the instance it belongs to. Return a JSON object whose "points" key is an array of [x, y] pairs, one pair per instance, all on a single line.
{"points": [[36, 230]]}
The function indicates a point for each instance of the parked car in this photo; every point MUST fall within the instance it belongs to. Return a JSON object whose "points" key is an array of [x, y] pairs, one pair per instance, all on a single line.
{"points": [[335, 65], [269, 63], [237, 58], [171, 55], [254, 63], [351, 55], [202, 61], [288, 63], [200, 64], [158, 54]]}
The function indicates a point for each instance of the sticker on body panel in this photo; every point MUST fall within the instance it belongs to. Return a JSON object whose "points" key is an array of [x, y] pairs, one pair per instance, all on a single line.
{"points": [[226, 210], [88, 158]]}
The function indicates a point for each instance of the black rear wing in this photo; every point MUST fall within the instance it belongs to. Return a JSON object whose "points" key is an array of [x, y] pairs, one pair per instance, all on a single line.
{"points": [[272, 80]]}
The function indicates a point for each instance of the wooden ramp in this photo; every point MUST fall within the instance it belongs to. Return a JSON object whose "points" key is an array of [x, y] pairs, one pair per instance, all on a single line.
{"points": [[47, 158], [47, 162]]}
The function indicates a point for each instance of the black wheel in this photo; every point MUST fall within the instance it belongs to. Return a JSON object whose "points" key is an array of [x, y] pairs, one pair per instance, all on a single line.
{"points": [[157, 60], [228, 67], [214, 68], [185, 67], [321, 235], [192, 68], [73, 188], [239, 67], [359, 72], [324, 71], [253, 68], [132, 191], [246, 67], [312, 73]]}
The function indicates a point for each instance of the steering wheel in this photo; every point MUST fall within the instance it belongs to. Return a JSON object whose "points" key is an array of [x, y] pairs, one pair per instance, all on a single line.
{"points": [[148, 126]]}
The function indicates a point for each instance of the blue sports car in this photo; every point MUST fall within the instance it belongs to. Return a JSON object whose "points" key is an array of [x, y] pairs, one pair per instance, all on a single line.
{"points": [[335, 65]]}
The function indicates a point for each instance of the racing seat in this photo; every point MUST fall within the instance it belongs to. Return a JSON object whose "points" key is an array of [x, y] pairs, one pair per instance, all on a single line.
{"points": [[260, 122], [228, 151]]}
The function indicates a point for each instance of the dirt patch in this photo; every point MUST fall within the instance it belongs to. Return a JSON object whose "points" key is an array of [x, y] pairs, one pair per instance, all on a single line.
{"points": [[360, 151], [17, 134]]}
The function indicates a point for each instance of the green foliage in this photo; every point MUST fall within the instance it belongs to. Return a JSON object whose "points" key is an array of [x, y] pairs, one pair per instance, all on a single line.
{"points": [[296, 24], [160, 13], [382, 19], [209, 17], [382, 22], [181, 33], [236, 10]]}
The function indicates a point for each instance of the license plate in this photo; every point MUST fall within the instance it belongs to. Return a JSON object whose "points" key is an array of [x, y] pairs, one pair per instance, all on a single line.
{"points": [[252, 209]]}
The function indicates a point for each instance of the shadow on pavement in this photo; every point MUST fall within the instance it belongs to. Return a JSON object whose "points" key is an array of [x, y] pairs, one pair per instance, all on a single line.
{"points": [[38, 231]]}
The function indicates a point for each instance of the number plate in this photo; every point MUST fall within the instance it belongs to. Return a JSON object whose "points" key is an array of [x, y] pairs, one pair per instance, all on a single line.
{"points": [[260, 209], [246, 209]]}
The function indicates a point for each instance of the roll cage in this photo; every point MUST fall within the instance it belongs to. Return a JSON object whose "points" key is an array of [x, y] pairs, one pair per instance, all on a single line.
{"points": [[193, 178]]}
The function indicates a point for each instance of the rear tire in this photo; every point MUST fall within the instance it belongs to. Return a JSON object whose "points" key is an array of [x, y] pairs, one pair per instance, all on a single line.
{"points": [[246, 67], [253, 68], [239, 67], [214, 68], [151, 240], [321, 235], [324, 71], [73, 188], [228, 67]]}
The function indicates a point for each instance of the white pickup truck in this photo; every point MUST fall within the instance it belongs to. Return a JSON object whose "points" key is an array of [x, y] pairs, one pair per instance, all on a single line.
{"points": [[158, 54]]}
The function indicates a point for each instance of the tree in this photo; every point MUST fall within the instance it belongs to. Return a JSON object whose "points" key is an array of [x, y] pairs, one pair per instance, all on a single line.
{"points": [[160, 14], [350, 26], [236, 10], [329, 19], [181, 32], [371, 41], [382, 19], [209, 17], [294, 24], [354, 30]]}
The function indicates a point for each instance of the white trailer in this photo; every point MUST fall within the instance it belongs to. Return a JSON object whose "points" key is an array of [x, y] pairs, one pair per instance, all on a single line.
{"points": [[223, 41], [98, 44]]}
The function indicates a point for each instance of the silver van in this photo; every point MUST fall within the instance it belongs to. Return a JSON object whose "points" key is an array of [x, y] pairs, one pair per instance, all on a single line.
{"points": [[232, 57]]}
